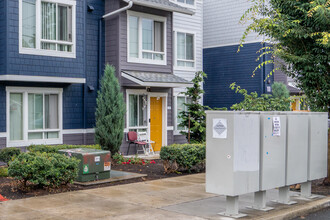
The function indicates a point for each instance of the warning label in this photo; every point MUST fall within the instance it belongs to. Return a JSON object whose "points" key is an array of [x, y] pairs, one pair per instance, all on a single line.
{"points": [[107, 166], [276, 126], [219, 128]]}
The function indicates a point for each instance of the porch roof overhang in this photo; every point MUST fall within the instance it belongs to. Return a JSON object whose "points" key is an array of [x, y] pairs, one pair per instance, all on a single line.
{"points": [[43, 79], [148, 79], [165, 5]]}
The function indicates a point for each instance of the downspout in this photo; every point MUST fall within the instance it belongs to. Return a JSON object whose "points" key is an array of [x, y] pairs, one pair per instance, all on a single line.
{"points": [[130, 5], [85, 67]]}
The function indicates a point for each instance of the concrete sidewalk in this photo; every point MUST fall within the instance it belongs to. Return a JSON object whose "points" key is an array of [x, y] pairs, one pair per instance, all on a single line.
{"points": [[173, 198]]}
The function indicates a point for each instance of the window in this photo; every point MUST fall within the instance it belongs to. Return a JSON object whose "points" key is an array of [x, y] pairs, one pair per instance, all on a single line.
{"points": [[189, 2], [185, 50], [181, 107], [146, 38], [34, 116], [138, 114], [47, 27]]}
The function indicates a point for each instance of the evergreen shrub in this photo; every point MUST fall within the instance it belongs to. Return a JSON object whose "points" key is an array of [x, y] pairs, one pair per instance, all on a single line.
{"points": [[56, 148], [6, 154], [44, 169], [183, 157]]}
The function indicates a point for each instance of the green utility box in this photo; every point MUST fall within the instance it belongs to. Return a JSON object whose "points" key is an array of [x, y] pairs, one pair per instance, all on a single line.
{"points": [[94, 164]]}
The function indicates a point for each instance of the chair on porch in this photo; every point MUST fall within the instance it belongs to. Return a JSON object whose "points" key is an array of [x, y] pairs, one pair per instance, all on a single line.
{"points": [[147, 149], [133, 139]]}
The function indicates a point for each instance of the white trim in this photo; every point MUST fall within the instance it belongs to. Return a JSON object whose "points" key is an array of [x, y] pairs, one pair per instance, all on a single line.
{"points": [[233, 44], [79, 131], [140, 59], [163, 7], [49, 79], [186, 5], [181, 68], [164, 111], [156, 84], [170, 128], [38, 51], [25, 91], [3, 134]]}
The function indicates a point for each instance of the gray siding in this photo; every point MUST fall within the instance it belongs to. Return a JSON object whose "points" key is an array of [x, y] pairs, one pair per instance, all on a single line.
{"points": [[3, 142], [221, 22], [116, 39], [77, 139], [180, 139]]}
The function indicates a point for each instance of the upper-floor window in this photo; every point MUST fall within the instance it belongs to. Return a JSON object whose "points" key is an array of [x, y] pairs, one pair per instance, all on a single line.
{"points": [[185, 50], [146, 38], [47, 27], [188, 2]]}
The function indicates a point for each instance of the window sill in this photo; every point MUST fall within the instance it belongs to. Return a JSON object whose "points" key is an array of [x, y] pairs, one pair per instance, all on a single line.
{"points": [[180, 68], [145, 61], [28, 143], [52, 53]]}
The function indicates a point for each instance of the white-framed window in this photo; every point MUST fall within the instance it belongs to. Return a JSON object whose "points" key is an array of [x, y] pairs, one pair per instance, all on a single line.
{"points": [[180, 106], [138, 111], [34, 116], [188, 2], [47, 27], [185, 50], [146, 38]]}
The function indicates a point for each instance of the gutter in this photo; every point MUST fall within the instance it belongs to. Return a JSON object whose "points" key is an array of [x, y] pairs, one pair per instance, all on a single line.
{"points": [[130, 5]]}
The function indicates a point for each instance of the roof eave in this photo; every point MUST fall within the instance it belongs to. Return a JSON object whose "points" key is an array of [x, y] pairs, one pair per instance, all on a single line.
{"points": [[165, 8]]}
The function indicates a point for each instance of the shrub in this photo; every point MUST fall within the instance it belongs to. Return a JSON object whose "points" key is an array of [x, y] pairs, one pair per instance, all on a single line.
{"points": [[3, 171], [56, 148], [185, 157], [110, 112], [279, 90], [44, 169], [6, 154]]}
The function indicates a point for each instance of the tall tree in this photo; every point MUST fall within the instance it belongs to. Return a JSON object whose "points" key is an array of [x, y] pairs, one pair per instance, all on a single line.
{"points": [[298, 34], [110, 112]]}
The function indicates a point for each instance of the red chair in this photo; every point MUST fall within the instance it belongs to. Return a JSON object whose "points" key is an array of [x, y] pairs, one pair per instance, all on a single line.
{"points": [[133, 139]]}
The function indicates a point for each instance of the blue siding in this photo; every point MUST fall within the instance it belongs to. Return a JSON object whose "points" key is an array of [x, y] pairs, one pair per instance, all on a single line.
{"points": [[85, 65], [223, 66], [3, 33]]}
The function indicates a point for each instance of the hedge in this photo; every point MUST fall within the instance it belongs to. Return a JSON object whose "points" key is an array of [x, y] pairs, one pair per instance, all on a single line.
{"points": [[44, 169], [7, 154], [56, 148], [184, 157]]}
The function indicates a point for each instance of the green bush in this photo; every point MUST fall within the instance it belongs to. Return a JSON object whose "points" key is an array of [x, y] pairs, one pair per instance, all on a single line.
{"points": [[56, 148], [6, 154], [44, 169], [184, 157], [3, 171], [279, 90]]}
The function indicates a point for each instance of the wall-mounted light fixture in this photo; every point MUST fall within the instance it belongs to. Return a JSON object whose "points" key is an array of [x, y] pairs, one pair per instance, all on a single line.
{"points": [[90, 8]]}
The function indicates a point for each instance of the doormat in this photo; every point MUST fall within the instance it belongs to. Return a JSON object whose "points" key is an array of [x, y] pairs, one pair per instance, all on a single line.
{"points": [[3, 199]]}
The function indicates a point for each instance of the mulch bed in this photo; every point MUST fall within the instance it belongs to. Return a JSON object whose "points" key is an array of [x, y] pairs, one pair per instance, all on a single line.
{"points": [[10, 190]]}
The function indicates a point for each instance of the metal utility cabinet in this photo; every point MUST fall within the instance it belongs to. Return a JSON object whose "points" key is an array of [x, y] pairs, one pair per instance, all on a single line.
{"points": [[232, 152], [94, 164], [272, 150], [297, 147]]}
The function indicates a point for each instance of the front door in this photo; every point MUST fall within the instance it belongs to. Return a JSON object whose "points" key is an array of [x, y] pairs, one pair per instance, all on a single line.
{"points": [[156, 122]]}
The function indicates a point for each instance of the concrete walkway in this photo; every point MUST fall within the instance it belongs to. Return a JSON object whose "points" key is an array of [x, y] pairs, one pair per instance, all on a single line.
{"points": [[173, 198]]}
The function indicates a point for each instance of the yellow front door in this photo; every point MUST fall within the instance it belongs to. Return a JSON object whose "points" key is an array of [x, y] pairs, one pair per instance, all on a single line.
{"points": [[156, 122]]}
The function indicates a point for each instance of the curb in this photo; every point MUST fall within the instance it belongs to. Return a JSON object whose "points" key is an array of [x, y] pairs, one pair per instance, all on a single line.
{"points": [[298, 210]]}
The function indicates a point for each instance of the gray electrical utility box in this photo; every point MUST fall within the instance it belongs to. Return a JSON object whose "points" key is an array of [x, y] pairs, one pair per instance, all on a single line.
{"points": [[232, 152], [272, 150], [318, 145], [297, 147]]}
